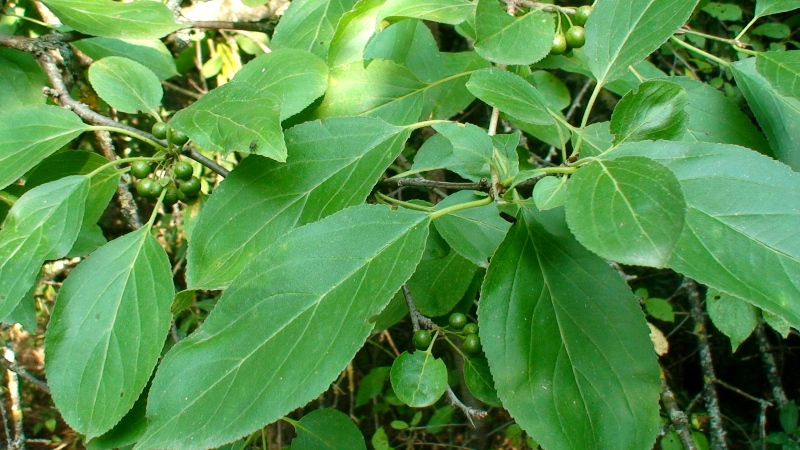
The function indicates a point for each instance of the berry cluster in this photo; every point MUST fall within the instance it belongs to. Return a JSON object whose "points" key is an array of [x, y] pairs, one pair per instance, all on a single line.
{"points": [[180, 183], [575, 36], [471, 343]]}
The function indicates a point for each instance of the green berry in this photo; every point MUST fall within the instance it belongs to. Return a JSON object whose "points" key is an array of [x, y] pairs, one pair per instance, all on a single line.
{"points": [[145, 187], [576, 36], [470, 328], [471, 344], [160, 130], [191, 187], [458, 320], [183, 170], [582, 15], [177, 137], [141, 169], [422, 339], [559, 44], [171, 196]]}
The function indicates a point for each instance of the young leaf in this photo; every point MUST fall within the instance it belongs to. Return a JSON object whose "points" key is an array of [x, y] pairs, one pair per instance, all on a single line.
{"points": [[479, 381], [620, 32], [742, 203], [567, 342], [505, 39], [152, 53], [474, 233], [654, 111], [21, 80], [29, 135], [452, 12], [471, 145], [43, 224], [768, 7], [295, 77], [732, 316], [630, 211], [309, 25], [354, 31], [107, 331], [382, 89], [782, 70], [106, 18], [511, 94], [285, 330], [235, 117], [126, 85], [778, 116], [268, 199], [418, 379], [327, 428], [438, 284]]}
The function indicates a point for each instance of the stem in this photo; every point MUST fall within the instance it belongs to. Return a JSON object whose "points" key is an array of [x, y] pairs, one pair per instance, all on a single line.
{"points": [[8, 199], [396, 202], [427, 123], [451, 209], [121, 161], [152, 220], [700, 52], [732, 42], [676, 416], [746, 27], [585, 119], [130, 133]]}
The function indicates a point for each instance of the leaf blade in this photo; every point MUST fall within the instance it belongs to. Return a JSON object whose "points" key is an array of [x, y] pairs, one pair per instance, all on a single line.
{"points": [[126, 85], [136, 20]]}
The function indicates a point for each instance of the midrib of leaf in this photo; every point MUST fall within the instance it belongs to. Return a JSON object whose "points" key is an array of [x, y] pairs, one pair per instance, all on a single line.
{"points": [[601, 81], [513, 23], [417, 91], [648, 120]]}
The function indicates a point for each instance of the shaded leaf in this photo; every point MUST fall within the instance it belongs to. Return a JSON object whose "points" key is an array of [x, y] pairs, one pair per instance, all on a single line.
{"points": [[371, 385], [152, 53], [354, 31], [29, 135], [450, 92], [267, 199], [21, 80], [452, 12], [409, 43], [553, 90], [327, 429], [727, 12], [135, 20], [235, 117], [631, 211], [659, 309], [757, 216], [126, 85], [127, 431], [437, 153], [418, 379], [732, 316], [654, 111], [638, 29], [283, 317], [782, 70], [309, 25], [479, 380], [768, 7], [597, 138], [567, 342], [776, 323], [550, 192], [470, 143], [504, 39], [439, 284], [42, 225], [511, 94], [107, 331]]}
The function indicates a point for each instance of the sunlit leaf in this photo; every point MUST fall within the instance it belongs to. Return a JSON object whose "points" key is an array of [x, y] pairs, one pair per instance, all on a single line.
{"points": [[419, 378], [504, 39], [309, 25], [151, 53], [511, 94], [21, 80], [106, 18], [126, 85], [654, 111]]}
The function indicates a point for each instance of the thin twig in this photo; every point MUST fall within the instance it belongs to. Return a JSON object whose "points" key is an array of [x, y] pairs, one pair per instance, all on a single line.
{"points": [[742, 393], [16, 368], [707, 366], [417, 318], [199, 157], [6, 425], [266, 26], [124, 197], [186, 92], [16, 403], [470, 412], [392, 183], [676, 416], [765, 349]]}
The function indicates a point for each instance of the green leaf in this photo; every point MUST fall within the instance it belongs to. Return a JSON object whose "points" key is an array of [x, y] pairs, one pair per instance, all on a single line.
{"points": [[135, 20], [732, 316], [450, 92], [772, 30], [151, 53], [29, 135], [738, 203], [768, 7], [235, 117], [597, 139], [470, 143], [620, 33], [127, 431], [327, 429], [654, 111], [42, 225], [268, 199], [107, 331], [371, 385], [479, 381], [440, 419], [309, 25], [631, 211], [727, 12], [504, 155], [474, 233], [659, 309], [451, 12], [782, 70], [555, 133], [379, 440], [778, 116], [550, 192], [567, 342], [21, 80], [354, 31], [382, 89], [25, 313], [511, 94], [504, 39], [715, 118], [418, 378], [295, 77], [126, 85], [776, 323], [409, 43], [553, 90], [285, 329], [439, 284], [789, 417]]}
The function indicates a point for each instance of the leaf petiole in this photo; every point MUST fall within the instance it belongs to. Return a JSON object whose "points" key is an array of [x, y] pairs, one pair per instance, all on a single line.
{"points": [[127, 133], [394, 202], [451, 209]]}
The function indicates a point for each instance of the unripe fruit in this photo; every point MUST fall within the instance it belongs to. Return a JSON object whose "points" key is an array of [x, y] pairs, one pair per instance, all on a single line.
{"points": [[177, 137], [471, 344], [582, 15], [422, 339], [470, 328], [559, 45], [140, 169], [183, 170], [191, 187], [160, 130], [576, 36], [145, 187], [171, 196], [458, 320]]}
